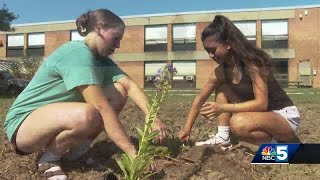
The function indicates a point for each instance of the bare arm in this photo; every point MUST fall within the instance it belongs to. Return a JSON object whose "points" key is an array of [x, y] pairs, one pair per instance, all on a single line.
{"points": [[94, 95], [204, 94], [135, 93], [141, 100]]}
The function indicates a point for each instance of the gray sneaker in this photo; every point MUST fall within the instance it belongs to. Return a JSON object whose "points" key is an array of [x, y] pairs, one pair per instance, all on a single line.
{"points": [[77, 152]]}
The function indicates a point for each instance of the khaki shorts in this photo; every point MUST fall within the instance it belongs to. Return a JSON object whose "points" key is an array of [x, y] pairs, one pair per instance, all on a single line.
{"points": [[291, 114]]}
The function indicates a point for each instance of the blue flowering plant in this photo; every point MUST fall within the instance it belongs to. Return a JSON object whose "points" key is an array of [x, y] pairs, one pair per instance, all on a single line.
{"points": [[137, 168]]}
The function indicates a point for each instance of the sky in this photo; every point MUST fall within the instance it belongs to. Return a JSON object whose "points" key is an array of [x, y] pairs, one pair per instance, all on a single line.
{"points": [[36, 11]]}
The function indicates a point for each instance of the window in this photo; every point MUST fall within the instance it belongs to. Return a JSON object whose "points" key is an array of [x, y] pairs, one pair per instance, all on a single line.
{"points": [[275, 34], [15, 45], [150, 70], [156, 38], [248, 29], [280, 67], [186, 75], [184, 37], [36, 43], [75, 36]]}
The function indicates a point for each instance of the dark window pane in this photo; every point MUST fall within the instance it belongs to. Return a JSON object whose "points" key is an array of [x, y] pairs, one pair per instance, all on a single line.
{"points": [[184, 46], [184, 84], [15, 52], [35, 51], [274, 42], [280, 69], [155, 47]]}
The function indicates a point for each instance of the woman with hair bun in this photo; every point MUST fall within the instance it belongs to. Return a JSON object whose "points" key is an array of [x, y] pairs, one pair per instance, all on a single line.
{"points": [[76, 93]]}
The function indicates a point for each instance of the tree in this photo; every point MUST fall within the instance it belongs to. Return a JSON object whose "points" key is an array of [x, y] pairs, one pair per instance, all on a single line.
{"points": [[6, 17]]}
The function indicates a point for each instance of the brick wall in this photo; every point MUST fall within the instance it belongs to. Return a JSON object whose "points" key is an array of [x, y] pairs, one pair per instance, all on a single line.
{"points": [[54, 39], [203, 67], [258, 33], [304, 38], [3, 39], [135, 70], [199, 29], [133, 40], [203, 71], [170, 34]]}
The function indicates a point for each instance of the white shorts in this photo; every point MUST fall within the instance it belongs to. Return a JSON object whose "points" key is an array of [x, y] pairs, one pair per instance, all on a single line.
{"points": [[291, 114]]}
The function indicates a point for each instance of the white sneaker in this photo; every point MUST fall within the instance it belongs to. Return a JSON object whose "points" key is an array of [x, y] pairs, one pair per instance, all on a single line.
{"points": [[215, 140], [77, 152]]}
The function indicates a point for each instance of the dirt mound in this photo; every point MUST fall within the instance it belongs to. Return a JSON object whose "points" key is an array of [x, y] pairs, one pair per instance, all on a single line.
{"points": [[207, 162]]}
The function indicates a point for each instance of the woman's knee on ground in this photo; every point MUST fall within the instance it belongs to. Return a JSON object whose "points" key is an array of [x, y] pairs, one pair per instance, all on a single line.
{"points": [[239, 125]]}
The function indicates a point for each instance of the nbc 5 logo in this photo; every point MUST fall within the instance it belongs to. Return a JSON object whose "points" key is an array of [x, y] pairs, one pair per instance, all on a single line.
{"points": [[282, 153]]}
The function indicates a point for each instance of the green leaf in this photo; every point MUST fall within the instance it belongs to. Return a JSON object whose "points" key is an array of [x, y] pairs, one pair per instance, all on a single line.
{"points": [[122, 167], [140, 131]]}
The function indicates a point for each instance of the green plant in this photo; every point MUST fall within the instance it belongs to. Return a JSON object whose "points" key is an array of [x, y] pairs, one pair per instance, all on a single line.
{"points": [[25, 67], [15, 69], [30, 65], [136, 168]]}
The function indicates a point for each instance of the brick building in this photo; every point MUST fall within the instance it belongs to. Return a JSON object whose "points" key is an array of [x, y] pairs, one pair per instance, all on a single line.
{"points": [[290, 35]]}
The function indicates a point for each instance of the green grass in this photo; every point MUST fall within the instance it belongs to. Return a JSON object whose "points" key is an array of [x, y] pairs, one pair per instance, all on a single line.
{"points": [[305, 98], [298, 95]]}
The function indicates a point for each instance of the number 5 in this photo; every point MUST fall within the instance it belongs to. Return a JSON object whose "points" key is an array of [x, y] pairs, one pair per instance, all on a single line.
{"points": [[282, 153]]}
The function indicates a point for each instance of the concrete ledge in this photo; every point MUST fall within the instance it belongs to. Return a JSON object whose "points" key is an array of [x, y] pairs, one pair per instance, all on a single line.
{"points": [[156, 56], [281, 53], [189, 55]]}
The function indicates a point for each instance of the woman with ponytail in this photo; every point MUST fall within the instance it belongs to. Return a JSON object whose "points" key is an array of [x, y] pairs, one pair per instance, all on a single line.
{"points": [[249, 102], [77, 93]]}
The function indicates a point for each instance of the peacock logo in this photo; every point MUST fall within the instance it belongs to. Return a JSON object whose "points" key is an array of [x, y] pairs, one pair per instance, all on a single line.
{"points": [[268, 151]]}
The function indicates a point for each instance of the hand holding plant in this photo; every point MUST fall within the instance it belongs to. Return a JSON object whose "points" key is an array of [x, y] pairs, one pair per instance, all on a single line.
{"points": [[158, 125]]}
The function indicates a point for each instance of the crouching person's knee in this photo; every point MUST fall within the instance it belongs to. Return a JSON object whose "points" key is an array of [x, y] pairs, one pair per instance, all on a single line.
{"points": [[238, 125], [89, 120]]}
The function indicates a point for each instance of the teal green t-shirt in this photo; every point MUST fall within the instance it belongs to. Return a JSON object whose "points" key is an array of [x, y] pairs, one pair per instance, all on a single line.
{"points": [[68, 67]]}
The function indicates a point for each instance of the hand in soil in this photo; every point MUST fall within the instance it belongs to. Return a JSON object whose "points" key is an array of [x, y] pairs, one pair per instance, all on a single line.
{"points": [[183, 135], [161, 127]]}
